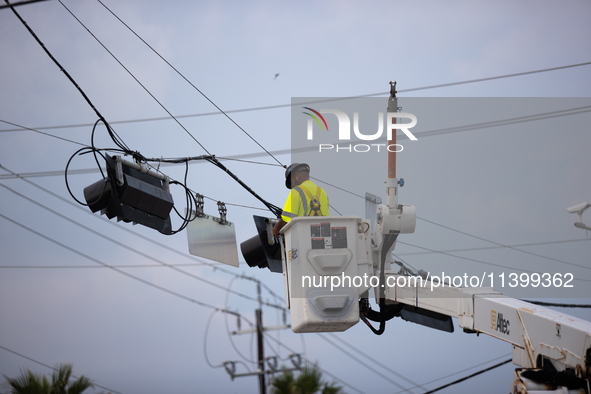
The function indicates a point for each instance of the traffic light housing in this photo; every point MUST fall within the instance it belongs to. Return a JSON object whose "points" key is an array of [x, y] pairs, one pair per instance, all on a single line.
{"points": [[263, 250], [132, 196]]}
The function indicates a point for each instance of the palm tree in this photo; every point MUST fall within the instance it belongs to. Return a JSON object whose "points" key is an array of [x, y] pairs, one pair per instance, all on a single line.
{"points": [[31, 383], [309, 381]]}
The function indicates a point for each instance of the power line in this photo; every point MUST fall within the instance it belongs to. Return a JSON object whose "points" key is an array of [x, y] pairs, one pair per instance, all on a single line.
{"points": [[41, 132], [141, 280], [428, 133], [252, 361], [115, 138], [215, 309], [250, 161], [460, 371], [20, 3], [469, 376], [362, 363], [467, 234], [112, 133], [205, 341], [268, 107], [114, 268], [487, 263], [166, 265], [444, 85], [542, 303], [137, 80], [417, 89], [190, 83], [333, 343], [497, 247], [42, 174], [470, 259], [53, 368], [390, 370], [215, 266], [504, 246], [144, 255], [466, 258], [503, 122], [493, 264], [143, 86], [14, 175], [319, 367]]}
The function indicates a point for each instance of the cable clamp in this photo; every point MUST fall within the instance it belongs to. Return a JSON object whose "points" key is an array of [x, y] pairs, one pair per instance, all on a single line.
{"points": [[223, 210], [230, 367], [200, 203]]}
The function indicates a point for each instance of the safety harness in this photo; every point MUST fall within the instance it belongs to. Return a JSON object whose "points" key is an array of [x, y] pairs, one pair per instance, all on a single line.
{"points": [[314, 205]]}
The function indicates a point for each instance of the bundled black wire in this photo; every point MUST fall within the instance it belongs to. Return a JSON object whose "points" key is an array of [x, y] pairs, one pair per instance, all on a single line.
{"points": [[273, 208], [122, 148], [190, 199], [386, 312]]}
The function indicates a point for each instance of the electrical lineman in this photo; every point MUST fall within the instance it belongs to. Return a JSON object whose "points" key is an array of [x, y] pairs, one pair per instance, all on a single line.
{"points": [[305, 199]]}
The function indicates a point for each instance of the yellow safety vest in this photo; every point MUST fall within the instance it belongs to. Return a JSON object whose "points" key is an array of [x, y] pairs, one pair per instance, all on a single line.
{"points": [[301, 202]]}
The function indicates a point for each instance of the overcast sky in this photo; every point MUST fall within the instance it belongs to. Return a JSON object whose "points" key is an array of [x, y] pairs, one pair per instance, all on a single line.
{"points": [[508, 185]]}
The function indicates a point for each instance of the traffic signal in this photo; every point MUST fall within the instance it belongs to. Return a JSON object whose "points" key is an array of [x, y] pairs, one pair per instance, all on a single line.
{"points": [[263, 250], [132, 196]]}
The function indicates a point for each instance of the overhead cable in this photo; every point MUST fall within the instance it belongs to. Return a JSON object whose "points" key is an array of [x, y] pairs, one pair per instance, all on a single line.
{"points": [[112, 133], [324, 371], [469, 376], [20, 3], [41, 132], [137, 80], [493, 264], [362, 363], [205, 341], [215, 266], [444, 85], [229, 287], [267, 107], [460, 371], [372, 359], [428, 133], [171, 292], [543, 303], [497, 247], [121, 144], [121, 244], [190, 83], [503, 245], [276, 209]]}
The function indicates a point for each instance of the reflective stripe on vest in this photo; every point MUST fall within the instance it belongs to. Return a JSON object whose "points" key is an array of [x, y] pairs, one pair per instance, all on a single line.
{"points": [[314, 201]]}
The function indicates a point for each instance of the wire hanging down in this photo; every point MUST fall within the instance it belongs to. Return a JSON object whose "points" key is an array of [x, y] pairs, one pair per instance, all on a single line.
{"points": [[100, 191], [19, 3]]}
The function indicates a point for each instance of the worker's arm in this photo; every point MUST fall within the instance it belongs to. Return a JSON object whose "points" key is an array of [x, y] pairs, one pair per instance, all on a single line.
{"points": [[278, 227]]}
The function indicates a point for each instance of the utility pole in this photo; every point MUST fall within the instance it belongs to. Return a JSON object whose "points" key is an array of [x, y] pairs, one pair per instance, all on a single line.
{"points": [[260, 330], [261, 355], [392, 181]]}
